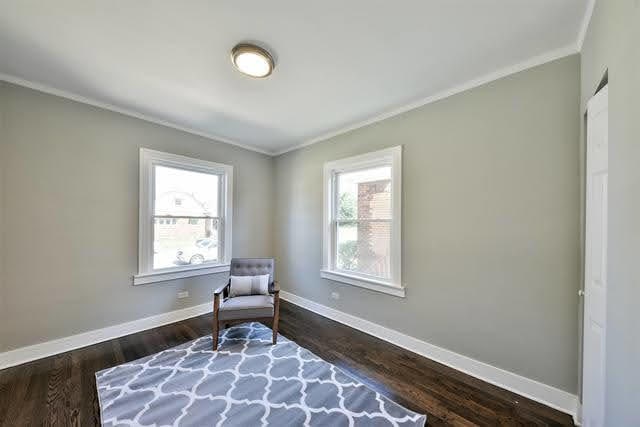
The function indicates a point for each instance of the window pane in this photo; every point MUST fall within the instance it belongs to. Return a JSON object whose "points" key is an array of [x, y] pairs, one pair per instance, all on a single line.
{"points": [[181, 241], [365, 194], [185, 193], [365, 247]]}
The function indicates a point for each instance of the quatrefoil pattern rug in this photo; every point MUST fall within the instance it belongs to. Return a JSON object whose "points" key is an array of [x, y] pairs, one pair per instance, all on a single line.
{"points": [[247, 382]]}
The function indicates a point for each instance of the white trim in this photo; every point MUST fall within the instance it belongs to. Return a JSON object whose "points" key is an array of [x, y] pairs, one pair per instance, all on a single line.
{"points": [[143, 279], [584, 27], [386, 157], [151, 158], [471, 84], [534, 390], [50, 348], [89, 101], [374, 285], [396, 209], [577, 417]]}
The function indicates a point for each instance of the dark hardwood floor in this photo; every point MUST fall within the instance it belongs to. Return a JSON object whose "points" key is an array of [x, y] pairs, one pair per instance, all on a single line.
{"points": [[60, 390]]}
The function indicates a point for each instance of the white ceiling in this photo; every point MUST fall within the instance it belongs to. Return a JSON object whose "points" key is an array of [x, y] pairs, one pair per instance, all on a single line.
{"points": [[338, 63]]}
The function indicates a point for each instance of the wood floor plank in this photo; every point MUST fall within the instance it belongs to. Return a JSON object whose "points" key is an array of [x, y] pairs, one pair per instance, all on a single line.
{"points": [[60, 390]]}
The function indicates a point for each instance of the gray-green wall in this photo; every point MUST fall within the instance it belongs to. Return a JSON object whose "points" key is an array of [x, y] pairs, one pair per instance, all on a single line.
{"points": [[490, 223], [70, 212], [491, 231], [613, 43]]}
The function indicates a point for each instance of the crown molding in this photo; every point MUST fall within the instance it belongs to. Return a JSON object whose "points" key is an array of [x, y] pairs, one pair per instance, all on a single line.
{"points": [[582, 34], [110, 107], [471, 84], [550, 56]]}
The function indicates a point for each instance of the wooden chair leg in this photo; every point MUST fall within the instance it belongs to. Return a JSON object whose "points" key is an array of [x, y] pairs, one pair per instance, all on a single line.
{"points": [[275, 331], [216, 322], [216, 330], [276, 318]]}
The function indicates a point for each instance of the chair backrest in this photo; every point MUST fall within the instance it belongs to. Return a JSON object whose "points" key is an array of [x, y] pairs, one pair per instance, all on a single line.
{"points": [[252, 267]]}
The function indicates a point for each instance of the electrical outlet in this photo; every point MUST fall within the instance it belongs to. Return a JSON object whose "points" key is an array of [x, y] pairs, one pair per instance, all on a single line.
{"points": [[335, 295], [183, 294]]}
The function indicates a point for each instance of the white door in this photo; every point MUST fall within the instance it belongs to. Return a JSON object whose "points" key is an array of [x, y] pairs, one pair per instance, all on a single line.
{"points": [[595, 275]]}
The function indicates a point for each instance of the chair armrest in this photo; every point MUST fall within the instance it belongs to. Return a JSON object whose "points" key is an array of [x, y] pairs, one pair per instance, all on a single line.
{"points": [[216, 299], [275, 288], [220, 290]]}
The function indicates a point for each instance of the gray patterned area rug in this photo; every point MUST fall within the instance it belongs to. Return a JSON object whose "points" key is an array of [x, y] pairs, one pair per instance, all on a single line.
{"points": [[248, 382]]}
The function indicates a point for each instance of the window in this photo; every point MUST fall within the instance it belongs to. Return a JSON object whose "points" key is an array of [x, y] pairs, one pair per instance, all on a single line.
{"points": [[185, 217], [362, 221]]}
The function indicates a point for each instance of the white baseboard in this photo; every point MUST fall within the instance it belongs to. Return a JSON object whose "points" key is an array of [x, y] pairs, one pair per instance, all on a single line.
{"points": [[49, 348], [545, 394], [534, 390]]}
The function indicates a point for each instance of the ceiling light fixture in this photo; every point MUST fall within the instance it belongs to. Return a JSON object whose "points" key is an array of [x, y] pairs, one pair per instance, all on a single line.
{"points": [[252, 60]]}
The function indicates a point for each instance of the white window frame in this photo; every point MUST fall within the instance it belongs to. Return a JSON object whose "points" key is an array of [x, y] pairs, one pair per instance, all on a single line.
{"points": [[387, 157], [148, 160]]}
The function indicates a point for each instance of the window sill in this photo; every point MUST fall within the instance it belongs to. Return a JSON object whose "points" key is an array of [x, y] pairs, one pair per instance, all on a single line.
{"points": [[163, 276], [372, 284]]}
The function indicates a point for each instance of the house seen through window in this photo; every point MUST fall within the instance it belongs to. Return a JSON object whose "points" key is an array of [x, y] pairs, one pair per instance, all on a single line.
{"points": [[182, 199], [364, 221]]}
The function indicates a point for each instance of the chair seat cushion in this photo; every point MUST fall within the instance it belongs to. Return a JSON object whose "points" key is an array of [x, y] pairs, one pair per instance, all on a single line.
{"points": [[246, 307]]}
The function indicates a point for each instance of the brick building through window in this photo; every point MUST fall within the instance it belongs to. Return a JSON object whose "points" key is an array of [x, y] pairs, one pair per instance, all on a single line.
{"points": [[374, 210]]}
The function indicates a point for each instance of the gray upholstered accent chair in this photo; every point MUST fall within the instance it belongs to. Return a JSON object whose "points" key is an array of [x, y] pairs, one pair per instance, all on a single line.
{"points": [[237, 309]]}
